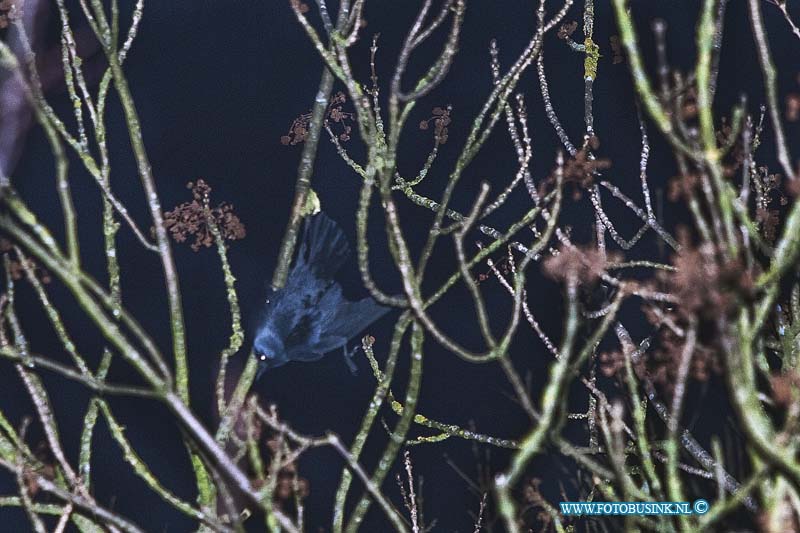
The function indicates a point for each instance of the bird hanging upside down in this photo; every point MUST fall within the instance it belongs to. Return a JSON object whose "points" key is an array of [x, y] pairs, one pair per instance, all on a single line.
{"points": [[309, 316]]}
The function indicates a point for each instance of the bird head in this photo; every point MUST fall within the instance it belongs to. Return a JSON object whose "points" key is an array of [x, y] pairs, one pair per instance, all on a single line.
{"points": [[269, 350]]}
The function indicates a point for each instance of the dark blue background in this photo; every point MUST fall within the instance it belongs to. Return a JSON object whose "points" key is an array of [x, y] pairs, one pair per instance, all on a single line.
{"points": [[216, 85]]}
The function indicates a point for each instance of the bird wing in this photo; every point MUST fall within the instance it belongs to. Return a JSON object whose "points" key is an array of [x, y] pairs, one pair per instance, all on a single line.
{"points": [[301, 332], [324, 247], [336, 321], [306, 356], [353, 317]]}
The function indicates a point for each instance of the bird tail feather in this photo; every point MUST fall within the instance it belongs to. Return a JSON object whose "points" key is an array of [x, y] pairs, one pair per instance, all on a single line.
{"points": [[354, 317], [324, 247]]}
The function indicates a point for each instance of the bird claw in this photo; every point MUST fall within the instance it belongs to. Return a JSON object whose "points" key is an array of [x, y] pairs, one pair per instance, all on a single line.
{"points": [[348, 358]]}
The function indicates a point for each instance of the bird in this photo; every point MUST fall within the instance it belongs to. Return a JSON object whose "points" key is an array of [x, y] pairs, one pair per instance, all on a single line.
{"points": [[309, 316]]}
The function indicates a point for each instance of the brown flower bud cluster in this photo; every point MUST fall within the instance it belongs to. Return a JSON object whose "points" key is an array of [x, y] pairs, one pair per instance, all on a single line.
{"points": [[191, 219], [289, 481], [339, 117], [580, 169], [610, 363], [10, 10], [15, 266], [503, 266], [302, 7], [709, 289], [47, 470], [335, 116], [664, 361], [768, 194], [689, 109], [586, 265], [290, 488], [298, 131], [708, 285], [785, 388], [682, 187], [793, 107], [536, 501], [441, 119]]}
